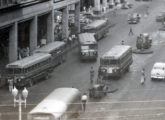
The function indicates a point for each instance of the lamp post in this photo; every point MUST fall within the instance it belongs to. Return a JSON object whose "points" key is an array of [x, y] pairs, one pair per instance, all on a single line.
{"points": [[20, 100]]}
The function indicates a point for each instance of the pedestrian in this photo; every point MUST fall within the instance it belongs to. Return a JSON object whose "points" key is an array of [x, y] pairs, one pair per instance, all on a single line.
{"points": [[70, 41], [84, 99], [10, 81], [130, 31], [142, 76], [43, 42], [92, 75], [73, 38]]}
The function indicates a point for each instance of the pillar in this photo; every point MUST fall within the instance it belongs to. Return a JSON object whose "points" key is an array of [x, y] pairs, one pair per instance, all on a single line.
{"points": [[65, 32], [97, 5], [77, 17], [33, 33], [105, 3], [13, 42], [50, 27]]}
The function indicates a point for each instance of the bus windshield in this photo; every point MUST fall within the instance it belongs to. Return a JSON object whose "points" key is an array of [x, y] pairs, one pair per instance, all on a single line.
{"points": [[87, 47], [107, 62]]}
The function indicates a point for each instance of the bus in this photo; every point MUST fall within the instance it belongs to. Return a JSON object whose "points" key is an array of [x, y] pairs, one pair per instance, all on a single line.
{"points": [[30, 69], [99, 27], [116, 61], [56, 49], [88, 47], [61, 104]]}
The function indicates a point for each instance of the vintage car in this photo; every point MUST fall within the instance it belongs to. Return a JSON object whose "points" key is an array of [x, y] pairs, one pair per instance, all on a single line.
{"points": [[134, 18], [158, 71]]}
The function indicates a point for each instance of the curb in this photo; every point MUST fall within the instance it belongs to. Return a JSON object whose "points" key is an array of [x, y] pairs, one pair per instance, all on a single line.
{"points": [[147, 51]]}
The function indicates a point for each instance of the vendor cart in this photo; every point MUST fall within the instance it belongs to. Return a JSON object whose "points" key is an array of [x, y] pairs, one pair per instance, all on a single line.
{"points": [[98, 91]]}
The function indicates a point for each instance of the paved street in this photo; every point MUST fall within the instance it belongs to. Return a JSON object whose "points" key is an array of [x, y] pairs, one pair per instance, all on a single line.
{"points": [[132, 101]]}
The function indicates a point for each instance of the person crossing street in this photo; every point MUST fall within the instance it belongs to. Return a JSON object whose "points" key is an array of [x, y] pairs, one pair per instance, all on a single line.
{"points": [[92, 75], [142, 81], [130, 32], [84, 99]]}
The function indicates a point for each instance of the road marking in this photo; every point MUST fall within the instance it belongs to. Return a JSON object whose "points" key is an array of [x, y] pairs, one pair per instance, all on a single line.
{"points": [[121, 116], [115, 102]]}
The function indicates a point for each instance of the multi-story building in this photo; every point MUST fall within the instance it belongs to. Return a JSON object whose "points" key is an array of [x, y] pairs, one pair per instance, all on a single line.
{"points": [[23, 23]]}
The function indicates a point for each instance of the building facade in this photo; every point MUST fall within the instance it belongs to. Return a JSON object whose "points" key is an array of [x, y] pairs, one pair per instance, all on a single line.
{"points": [[23, 23]]}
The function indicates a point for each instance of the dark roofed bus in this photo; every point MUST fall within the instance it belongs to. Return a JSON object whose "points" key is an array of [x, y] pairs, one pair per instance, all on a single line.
{"points": [[99, 27], [116, 61], [56, 49], [30, 69]]}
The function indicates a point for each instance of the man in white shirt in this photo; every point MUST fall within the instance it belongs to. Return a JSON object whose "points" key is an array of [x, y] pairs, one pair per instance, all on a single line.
{"points": [[84, 99]]}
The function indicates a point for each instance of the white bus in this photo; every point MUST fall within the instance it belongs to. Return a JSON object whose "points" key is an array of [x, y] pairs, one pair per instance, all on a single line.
{"points": [[56, 49], [60, 104], [116, 61], [88, 47]]}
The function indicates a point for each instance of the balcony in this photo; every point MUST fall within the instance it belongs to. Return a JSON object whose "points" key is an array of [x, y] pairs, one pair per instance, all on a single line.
{"points": [[10, 3]]}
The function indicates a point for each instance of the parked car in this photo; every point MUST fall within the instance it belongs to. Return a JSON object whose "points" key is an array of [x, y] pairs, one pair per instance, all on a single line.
{"points": [[158, 71], [134, 18], [160, 17]]}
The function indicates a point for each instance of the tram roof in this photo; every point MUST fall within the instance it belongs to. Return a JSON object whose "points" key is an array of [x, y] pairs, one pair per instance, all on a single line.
{"points": [[95, 24], [29, 61], [116, 52], [56, 102], [50, 47], [87, 38]]}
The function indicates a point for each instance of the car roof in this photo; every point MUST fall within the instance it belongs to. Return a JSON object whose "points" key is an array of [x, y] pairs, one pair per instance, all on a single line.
{"points": [[159, 64]]}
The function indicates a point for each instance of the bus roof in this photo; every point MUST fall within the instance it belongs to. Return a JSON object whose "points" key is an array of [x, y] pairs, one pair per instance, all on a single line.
{"points": [[116, 52], [50, 47], [95, 24], [87, 38], [56, 102], [29, 61]]}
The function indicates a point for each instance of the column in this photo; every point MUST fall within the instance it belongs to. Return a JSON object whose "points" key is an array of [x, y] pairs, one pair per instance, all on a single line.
{"points": [[77, 17], [13, 43], [50, 27], [65, 32], [97, 5], [105, 3], [33, 33]]}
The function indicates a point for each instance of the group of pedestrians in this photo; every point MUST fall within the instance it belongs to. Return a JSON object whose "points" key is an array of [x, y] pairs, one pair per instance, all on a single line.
{"points": [[23, 52]]}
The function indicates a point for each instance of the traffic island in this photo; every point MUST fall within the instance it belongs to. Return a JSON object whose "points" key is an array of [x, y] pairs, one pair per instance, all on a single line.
{"points": [[142, 51]]}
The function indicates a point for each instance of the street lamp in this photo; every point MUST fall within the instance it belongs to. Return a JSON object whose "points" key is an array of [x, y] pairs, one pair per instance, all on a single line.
{"points": [[20, 100]]}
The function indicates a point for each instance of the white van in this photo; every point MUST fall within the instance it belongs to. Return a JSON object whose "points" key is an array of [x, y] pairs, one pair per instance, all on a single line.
{"points": [[158, 71]]}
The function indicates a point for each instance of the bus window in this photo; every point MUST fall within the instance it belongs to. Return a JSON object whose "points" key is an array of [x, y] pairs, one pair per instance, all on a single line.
{"points": [[113, 62], [17, 71], [10, 71]]}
